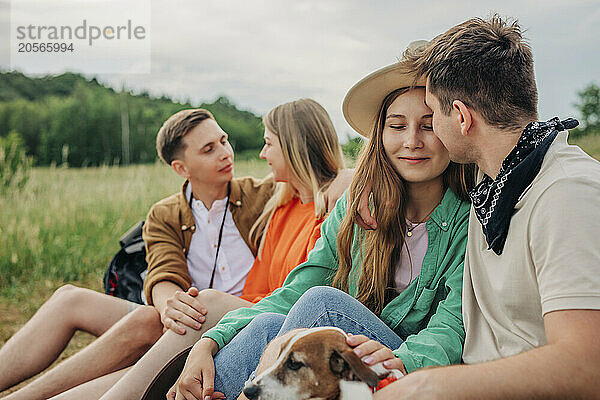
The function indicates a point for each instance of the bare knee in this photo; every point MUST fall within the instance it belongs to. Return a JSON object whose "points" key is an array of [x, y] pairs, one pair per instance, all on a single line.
{"points": [[146, 316], [67, 297], [65, 291], [67, 304], [209, 296], [144, 323]]}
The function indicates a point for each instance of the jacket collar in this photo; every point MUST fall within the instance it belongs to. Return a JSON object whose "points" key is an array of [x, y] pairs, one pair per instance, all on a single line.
{"points": [[235, 197], [187, 218], [444, 214]]}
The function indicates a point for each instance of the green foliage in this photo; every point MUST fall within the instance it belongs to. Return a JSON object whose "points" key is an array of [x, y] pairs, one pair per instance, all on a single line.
{"points": [[589, 106], [353, 147], [68, 111], [14, 85], [15, 164], [245, 128]]}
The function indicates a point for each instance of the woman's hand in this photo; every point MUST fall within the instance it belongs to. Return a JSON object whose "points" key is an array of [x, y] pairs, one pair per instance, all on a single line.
{"points": [[373, 352], [197, 379], [183, 309]]}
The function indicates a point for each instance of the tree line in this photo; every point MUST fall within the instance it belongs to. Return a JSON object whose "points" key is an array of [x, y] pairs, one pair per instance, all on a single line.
{"points": [[71, 120], [68, 119], [589, 107]]}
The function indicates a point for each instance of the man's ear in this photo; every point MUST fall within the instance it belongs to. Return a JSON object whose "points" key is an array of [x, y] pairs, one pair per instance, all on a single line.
{"points": [[179, 167], [464, 115]]}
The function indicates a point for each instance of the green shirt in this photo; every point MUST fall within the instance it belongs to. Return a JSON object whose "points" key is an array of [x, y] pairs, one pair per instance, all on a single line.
{"points": [[427, 314]]}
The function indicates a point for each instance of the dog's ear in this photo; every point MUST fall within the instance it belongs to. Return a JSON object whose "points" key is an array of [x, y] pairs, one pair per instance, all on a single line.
{"points": [[348, 366]]}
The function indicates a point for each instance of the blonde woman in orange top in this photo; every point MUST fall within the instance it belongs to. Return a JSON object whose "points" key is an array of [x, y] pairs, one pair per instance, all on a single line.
{"points": [[302, 148]]}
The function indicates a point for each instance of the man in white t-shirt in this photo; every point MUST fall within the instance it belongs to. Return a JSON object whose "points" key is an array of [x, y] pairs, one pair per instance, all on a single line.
{"points": [[531, 293]]}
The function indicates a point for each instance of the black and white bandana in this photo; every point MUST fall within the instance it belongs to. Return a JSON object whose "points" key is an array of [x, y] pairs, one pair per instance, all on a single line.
{"points": [[495, 199]]}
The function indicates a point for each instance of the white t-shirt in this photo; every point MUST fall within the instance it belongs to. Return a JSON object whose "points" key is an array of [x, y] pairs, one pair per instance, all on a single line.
{"points": [[235, 258], [551, 259]]}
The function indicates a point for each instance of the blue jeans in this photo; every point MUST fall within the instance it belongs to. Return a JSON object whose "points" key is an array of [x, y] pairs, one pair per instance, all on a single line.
{"points": [[319, 306]]}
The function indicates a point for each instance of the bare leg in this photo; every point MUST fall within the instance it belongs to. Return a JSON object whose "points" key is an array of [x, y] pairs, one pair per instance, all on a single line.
{"points": [[135, 382], [41, 340], [118, 348], [93, 389]]}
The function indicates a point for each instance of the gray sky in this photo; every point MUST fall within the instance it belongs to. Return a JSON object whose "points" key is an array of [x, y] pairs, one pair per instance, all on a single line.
{"points": [[263, 53]]}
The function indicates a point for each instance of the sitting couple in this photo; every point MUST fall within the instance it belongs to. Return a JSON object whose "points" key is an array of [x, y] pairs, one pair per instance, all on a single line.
{"points": [[531, 288]]}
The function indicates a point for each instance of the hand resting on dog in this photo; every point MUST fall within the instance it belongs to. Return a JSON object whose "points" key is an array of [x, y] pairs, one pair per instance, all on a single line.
{"points": [[319, 363]]}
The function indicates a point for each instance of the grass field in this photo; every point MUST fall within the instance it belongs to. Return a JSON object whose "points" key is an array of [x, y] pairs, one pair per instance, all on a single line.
{"points": [[65, 227], [590, 143]]}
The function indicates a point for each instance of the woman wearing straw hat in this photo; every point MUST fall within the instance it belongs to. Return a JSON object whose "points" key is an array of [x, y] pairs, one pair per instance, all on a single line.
{"points": [[396, 289]]}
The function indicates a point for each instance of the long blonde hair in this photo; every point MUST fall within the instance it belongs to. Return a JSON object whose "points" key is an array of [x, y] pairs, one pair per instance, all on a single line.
{"points": [[380, 249], [311, 151]]}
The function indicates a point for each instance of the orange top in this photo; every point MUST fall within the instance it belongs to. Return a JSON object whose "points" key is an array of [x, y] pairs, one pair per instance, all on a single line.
{"points": [[291, 235]]}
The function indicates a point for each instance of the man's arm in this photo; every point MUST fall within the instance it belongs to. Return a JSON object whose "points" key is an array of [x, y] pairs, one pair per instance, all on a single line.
{"points": [[568, 367], [177, 308], [165, 252], [337, 187], [167, 272]]}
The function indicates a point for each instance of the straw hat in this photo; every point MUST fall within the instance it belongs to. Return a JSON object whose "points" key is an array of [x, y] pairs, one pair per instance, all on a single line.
{"points": [[363, 100]]}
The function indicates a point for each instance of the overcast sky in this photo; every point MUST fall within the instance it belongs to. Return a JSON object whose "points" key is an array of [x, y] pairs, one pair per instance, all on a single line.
{"points": [[263, 53]]}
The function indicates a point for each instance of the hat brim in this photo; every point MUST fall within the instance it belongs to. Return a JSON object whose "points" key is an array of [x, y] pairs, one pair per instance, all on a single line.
{"points": [[362, 102]]}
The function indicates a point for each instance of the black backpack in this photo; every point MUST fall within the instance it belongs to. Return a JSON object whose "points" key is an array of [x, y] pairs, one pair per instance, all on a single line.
{"points": [[126, 272]]}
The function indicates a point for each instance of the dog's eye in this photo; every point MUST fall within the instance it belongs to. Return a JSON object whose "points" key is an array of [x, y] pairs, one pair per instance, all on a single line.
{"points": [[293, 365]]}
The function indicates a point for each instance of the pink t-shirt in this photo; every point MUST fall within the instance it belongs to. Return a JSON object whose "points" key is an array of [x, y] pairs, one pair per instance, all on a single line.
{"points": [[417, 247]]}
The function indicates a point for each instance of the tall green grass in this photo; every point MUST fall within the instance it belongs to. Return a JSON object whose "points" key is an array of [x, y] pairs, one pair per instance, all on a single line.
{"points": [[590, 144], [66, 224]]}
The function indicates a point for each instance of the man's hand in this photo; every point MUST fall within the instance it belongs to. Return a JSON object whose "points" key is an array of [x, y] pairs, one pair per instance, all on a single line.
{"points": [[362, 215], [420, 385], [197, 379], [373, 352], [181, 309], [337, 187]]}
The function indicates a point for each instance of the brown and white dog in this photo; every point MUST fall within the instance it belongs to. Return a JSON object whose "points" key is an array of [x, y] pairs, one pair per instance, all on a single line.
{"points": [[315, 363]]}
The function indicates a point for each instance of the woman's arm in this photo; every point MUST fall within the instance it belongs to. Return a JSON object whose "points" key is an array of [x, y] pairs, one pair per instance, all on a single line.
{"points": [[197, 379], [317, 270]]}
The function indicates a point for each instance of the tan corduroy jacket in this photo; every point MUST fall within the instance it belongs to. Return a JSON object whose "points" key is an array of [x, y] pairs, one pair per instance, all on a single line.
{"points": [[170, 225]]}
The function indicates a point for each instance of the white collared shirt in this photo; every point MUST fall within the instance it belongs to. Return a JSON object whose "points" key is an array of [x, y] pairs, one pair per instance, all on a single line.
{"points": [[235, 258]]}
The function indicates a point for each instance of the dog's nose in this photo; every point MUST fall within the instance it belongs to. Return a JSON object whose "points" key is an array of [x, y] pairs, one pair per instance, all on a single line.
{"points": [[252, 391]]}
